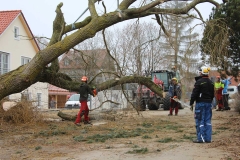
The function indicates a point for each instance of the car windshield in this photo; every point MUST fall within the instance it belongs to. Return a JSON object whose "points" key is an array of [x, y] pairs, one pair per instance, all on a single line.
{"points": [[74, 97], [162, 76], [230, 89]]}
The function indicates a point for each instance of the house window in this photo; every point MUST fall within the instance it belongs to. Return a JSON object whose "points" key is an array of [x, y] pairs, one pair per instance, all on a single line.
{"points": [[39, 99], [66, 62], [16, 33], [25, 60], [4, 63]]}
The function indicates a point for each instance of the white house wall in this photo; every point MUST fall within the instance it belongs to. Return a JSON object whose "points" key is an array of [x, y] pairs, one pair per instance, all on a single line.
{"points": [[39, 88], [16, 49]]}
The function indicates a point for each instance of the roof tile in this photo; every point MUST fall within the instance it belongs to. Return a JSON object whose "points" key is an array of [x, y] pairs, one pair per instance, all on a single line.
{"points": [[6, 17]]}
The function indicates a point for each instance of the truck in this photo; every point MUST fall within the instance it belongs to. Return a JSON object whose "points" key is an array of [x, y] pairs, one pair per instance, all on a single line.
{"points": [[145, 98]]}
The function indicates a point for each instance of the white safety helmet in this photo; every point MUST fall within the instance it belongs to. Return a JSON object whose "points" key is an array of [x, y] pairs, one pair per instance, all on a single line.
{"points": [[204, 70]]}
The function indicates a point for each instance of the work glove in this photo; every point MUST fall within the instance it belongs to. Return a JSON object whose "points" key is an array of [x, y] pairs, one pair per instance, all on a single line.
{"points": [[191, 107]]}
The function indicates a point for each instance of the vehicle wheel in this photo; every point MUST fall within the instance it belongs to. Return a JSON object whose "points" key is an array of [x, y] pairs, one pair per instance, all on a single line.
{"points": [[153, 106], [166, 102], [140, 104]]}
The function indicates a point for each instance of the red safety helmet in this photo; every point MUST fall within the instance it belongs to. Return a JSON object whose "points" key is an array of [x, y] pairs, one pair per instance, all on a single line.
{"points": [[84, 79]]}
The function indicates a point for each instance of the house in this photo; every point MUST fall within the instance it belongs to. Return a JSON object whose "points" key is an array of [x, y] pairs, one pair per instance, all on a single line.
{"points": [[18, 47], [87, 63], [59, 95]]}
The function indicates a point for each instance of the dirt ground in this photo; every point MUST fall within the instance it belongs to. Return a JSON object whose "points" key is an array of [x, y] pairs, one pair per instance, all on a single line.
{"points": [[149, 136]]}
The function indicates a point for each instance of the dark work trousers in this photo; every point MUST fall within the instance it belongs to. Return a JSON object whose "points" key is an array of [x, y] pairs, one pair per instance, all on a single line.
{"points": [[225, 101], [174, 105]]}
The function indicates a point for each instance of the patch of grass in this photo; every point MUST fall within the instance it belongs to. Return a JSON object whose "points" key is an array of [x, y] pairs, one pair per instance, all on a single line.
{"points": [[18, 152], [141, 151], [135, 146], [173, 127], [116, 134], [147, 125], [48, 133], [79, 138], [159, 127], [222, 128], [215, 132], [188, 137], [146, 137], [38, 147], [90, 141], [165, 140]]}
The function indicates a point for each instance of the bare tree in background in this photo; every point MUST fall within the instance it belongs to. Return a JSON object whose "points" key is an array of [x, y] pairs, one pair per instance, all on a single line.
{"points": [[136, 49]]}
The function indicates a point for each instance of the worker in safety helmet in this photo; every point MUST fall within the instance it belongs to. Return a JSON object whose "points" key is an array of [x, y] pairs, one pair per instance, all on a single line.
{"points": [[84, 91], [175, 93], [218, 87], [203, 94]]}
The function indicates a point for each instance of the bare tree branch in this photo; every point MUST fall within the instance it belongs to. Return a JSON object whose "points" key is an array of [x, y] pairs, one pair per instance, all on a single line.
{"points": [[161, 25], [78, 25], [125, 4], [92, 9], [199, 14]]}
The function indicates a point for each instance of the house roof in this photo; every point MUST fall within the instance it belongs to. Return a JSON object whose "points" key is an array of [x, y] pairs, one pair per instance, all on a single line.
{"points": [[7, 17], [100, 55], [54, 90]]}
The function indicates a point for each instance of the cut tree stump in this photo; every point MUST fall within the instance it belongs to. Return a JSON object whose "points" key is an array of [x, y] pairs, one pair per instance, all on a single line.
{"points": [[70, 117]]}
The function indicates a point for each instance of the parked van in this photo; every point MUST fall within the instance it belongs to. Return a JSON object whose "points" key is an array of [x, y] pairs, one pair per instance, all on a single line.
{"points": [[232, 90], [73, 101]]}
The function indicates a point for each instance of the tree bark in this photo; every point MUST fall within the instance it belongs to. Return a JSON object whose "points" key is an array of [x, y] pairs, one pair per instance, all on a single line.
{"points": [[69, 117]]}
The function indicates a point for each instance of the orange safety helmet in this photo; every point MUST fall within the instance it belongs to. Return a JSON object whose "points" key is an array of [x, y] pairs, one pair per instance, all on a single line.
{"points": [[84, 79]]}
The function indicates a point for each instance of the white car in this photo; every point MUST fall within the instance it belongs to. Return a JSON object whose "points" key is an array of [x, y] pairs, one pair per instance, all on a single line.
{"points": [[231, 91], [73, 101]]}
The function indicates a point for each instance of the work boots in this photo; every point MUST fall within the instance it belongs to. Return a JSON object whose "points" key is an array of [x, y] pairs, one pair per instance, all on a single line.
{"points": [[87, 123]]}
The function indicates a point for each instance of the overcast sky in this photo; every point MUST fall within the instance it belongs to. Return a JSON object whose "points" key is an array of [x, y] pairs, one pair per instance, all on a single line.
{"points": [[41, 13]]}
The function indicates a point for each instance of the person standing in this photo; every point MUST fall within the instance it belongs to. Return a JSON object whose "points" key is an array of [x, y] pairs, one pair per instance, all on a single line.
{"points": [[203, 94], [174, 92], [52, 103], [218, 87], [225, 94], [84, 91]]}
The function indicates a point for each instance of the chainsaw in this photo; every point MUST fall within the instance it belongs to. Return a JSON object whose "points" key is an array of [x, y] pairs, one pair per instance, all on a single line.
{"points": [[181, 102]]}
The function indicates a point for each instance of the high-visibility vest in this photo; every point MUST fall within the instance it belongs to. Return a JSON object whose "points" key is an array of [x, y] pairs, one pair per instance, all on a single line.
{"points": [[218, 85]]}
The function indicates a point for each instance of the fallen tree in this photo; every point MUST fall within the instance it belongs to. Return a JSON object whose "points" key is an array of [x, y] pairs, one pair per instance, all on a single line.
{"points": [[37, 70]]}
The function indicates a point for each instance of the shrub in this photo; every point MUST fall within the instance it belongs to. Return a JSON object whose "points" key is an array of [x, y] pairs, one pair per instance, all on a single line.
{"points": [[23, 112]]}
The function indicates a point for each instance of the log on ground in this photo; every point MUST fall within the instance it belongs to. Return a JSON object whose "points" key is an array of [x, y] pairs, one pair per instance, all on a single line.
{"points": [[70, 117]]}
